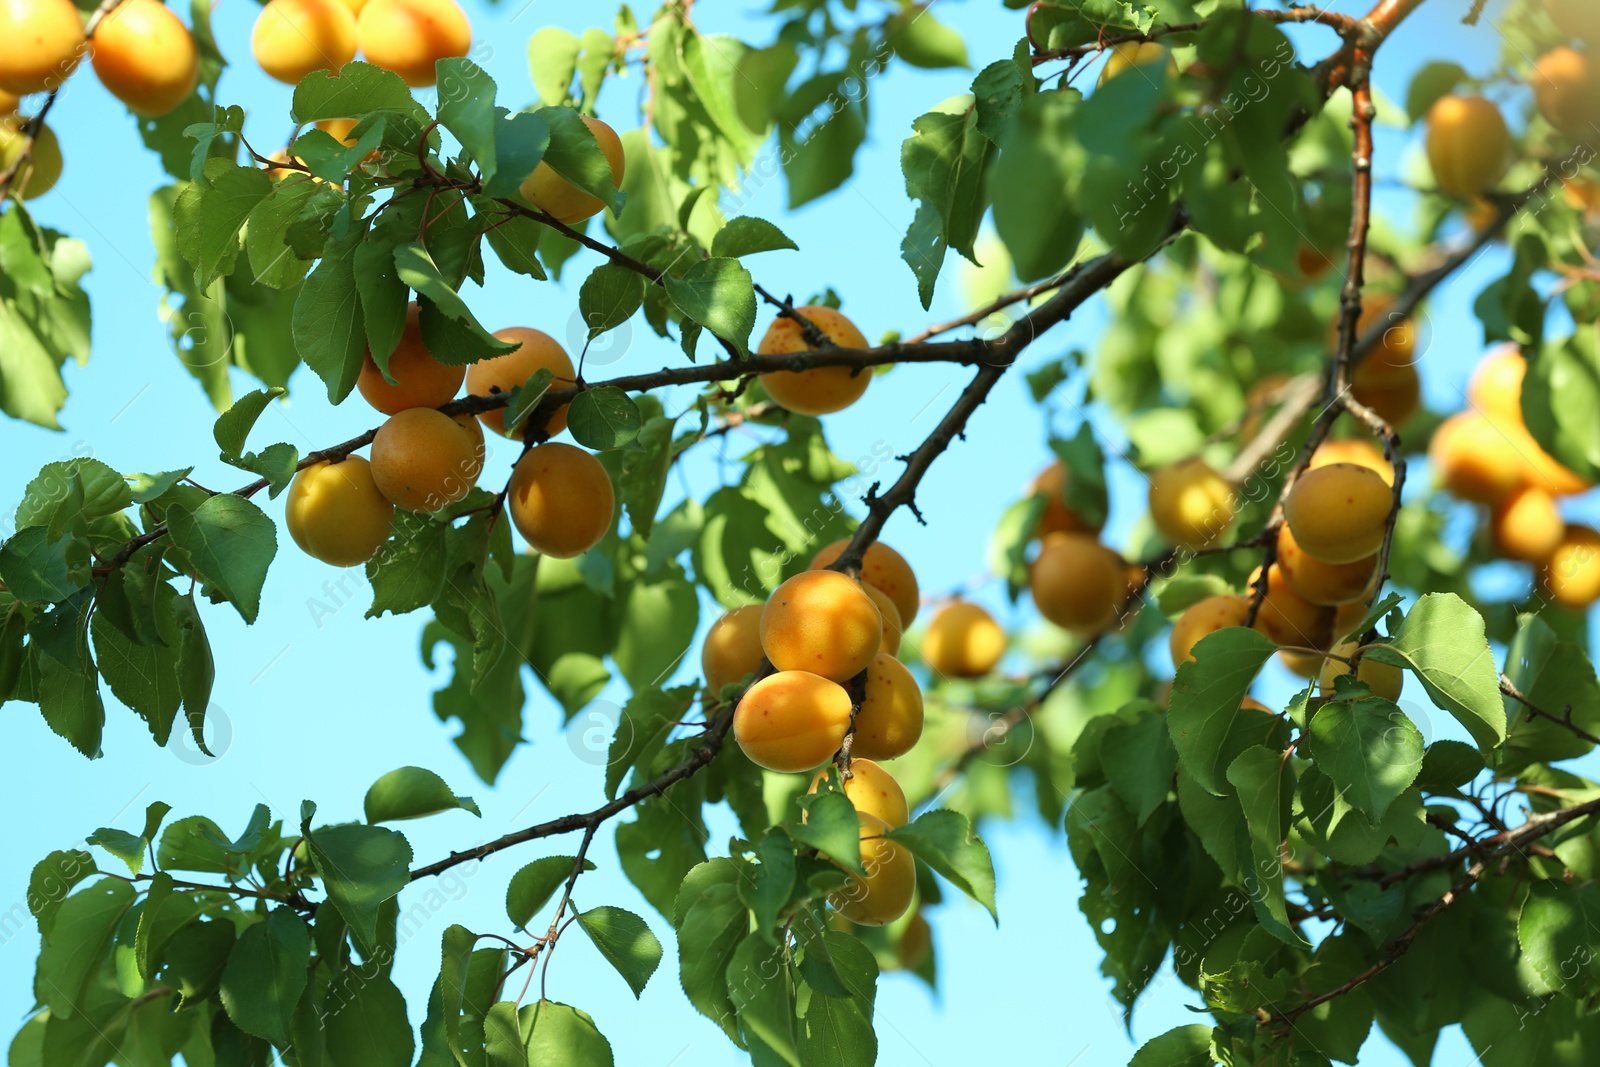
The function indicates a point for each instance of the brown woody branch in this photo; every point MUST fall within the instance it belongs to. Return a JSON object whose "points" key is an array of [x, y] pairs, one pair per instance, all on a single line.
{"points": [[1536, 712], [1305, 13]]}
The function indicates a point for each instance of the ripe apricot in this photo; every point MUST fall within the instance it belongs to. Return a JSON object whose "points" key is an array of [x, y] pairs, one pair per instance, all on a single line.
{"points": [[1190, 503], [1527, 525], [883, 567], [1355, 450], [1573, 573], [1057, 517], [1468, 144], [335, 512], [1312, 261], [791, 721], [963, 641], [559, 198], [145, 57], [890, 719], [893, 629], [1323, 583], [821, 621], [1477, 460], [561, 499], [873, 791], [1384, 679], [44, 42], [1339, 512], [1078, 583], [1495, 388], [890, 883], [44, 166], [1305, 664], [1287, 618], [8, 103], [1393, 393], [292, 38], [732, 647], [818, 390], [420, 381], [410, 36], [424, 460], [504, 373], [1200, 620], [1397, 348], [1130, 54], [1567, 88], [1576, 18]]}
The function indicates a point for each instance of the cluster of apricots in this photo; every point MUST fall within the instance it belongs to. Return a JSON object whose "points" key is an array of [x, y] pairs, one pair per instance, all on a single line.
{"points": [[141, 52], [559, 496], [292, 38], [1485, 454], [1077, 583]]}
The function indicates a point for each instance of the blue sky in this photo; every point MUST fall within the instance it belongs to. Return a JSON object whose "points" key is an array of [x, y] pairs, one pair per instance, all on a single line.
{"points": [[316, 705]]}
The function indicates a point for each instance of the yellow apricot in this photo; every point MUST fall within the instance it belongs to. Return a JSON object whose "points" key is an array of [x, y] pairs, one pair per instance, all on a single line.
{"points": [[1573, 573], [1397, 348], [335, 512], [893, 630], [1468, 144], [1190, 503], [1476, 459], [559, 198], [818, 390], [410, 36], [1323, 583], [1130, 54], [1393, 393], [1346, 617], [890, 719], [963, 641], [1200, 620], [1078, 583], [424, 460], [1287, 618], [504, 373], [873, 791], [292, 38], [1357, 450], [1576, 18], [1057, 517], [1495, 388], [1384, 679], [791, 721], [420, 381], [915, 946], [44, 166], [890, 883], [1339, 512], [1567, 88], [883, 567], [1527, 526], [8, 103], [1305, 664], [561, 499], [145, 57], [732, 647], [43, 44], [821, 621]]}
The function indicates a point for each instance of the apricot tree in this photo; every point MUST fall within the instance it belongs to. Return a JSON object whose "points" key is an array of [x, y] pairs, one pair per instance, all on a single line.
{"points": [[1312, 869]]}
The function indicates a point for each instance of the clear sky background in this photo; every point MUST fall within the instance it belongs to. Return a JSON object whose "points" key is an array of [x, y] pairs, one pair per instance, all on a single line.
{"points": [[308, 707]]}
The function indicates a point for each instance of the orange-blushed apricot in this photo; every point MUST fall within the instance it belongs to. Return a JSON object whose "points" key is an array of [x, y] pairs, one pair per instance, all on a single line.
{"points": [[1317, 582], [817, 390], [1468, 144], [1397, 347], [1384, 679], [893, 630], [504, 373], [44, 165], [1339, 512], [420, 381], [1476, 459], [890, 719], [883, 567], [873, 791], [423, 459], [889, 885], [1200, 620], [1130, 54], [822, 622], [1527, 525], [1191, 504], [43, 44], [1566, 86], [559, 198], [292, 38], [561, 500], [732, 647], [963, 641], [791, 721], [1287, 618], [1573, 573], [1078, 583], [145, 57], [1357, 450], [336, 514], [1057, 517], [410, 36]]}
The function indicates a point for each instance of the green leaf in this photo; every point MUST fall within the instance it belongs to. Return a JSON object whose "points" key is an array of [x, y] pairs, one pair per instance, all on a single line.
{"points": [[575, 155], [718, 294], [1442, 641], [418, 270], [1561, 402], [837, 1031], [34, 570], [327, 322], [1009, 544], [1265, 784], [210, 217], [712, 922], [944, 840], [944, 161], [361, 867], [467, 110], [1557, 932], [233, 426], [921, 40], [604, 418], [762, 988], [266, 974], [1182, 591], [659, 617], [1430, 83], [532, 887], [410, 793], [79, 940], [626, 943], [51, 880], [1205, 709], [409, 570], [556, 1033], [231, 543], [1184, 1046], [747, 235], [1139, 762], [1085, 463], [830, 826], [608, 297], [1448, 765], [357, 90], [1370, 749], [44, 502], [367, 1024], [1040, 159], [552, 60], [125, 846]]}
